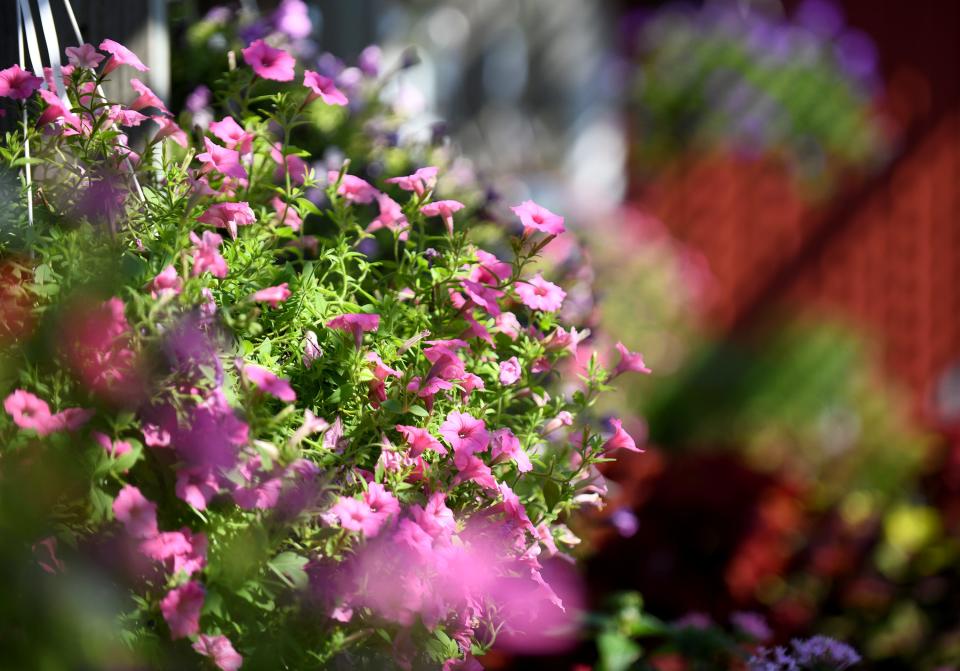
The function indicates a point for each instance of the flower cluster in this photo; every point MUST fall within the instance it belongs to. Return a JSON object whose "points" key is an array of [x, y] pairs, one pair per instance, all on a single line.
{"points": [[308, 400]]}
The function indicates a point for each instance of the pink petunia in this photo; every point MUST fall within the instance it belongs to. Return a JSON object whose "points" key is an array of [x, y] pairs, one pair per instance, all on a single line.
{"points": [[630, 362], [505, 445], [206, 255], [419, 440], [382, 503], [120, 55], [181, 609], [489, 269], [419, 182], [28, 411], [510, 371], [272, 296], [17, 83], [465, 434], [169, 129], [115, 448], [223, 160], [286, 214], [356, 324], [146, 97], [435, 518], [84, 56], [443, 209], [354, 515], [472, 469], [269, 62], [620, 440], [537, 218], [508, 324], [220, 650], [352, 188], [539, 294], [56, 112], [269, 383], [323, 88], [229, 216], [289, 164], [136, 513], [311, 349], [166, 284], [232, 134], [197, 486], [391, 217]]}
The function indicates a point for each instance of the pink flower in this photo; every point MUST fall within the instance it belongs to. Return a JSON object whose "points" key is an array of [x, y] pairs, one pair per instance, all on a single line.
{"points": [[508, 324], [232, 134], [70, 419], [539, 294], [269, 62], [17, 83], [220, 650], [147, 98], [382, 504], [561, 339], [28, 411], [84, 56], [229, 216], [166, 283], [273, 296], [435, 518], [472, 469], [113, 448], [169, 128], [537, 218], [311, 349], [391, 217], [206, 255], [443, 209], [510, 371], [223, 160], [503, 443], [291, 164], [120, 55], [356, 324], [354, 515], [419, 440], [464, 433], [630, 362], [181, 609], [177, 550], [267, 382], [419, 182], [136, 513], [489, 269], [620, 439], [286, 214], [197, 485], [56, 111], [323, 88], [352, 188]]}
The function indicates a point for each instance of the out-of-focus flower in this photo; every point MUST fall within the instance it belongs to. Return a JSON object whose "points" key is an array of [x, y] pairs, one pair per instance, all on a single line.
{"points": [[84, 56], [17, 83], [443, 209], [537, 218], [539, 294], [220, 651], [323, 88], [620, 440], [269, 62], [120, 55], [181, 609]]}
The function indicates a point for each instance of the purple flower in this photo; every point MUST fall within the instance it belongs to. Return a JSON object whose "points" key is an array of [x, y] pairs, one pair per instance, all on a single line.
{"points": [[812, 654]]}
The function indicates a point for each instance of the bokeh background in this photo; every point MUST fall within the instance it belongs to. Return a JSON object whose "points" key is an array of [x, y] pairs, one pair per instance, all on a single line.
{"points": [[768, 192]]}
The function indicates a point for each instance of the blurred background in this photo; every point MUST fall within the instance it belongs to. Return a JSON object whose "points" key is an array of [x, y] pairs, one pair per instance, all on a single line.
{"points": [[768, 194]]}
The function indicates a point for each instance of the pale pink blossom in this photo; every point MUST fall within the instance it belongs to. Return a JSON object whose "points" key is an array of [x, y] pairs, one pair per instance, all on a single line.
{"points": [[464, 433], [169, 128], [286, 214], [273, 296], [505, 445], [17, 83], [630, 362], [311, 349], [620, 439], [166, 284], [561, 339], [539, 294], [443, 209], [508, 324], [114, 448], [352, 188], [84, 56], [510, 371], [181, 609], [136, 513], [382, 503], [419, 440], [223, 160], [323, 88], [232, 134], [419, 182], [472, 469], [269, 382], [537, 218], [146, 98], [206, 255], [120, 55], [269, 62], [435, 518], [229, 216], [354, 515], [220, 651], [356, 324], [28, 411], [391, 217]]}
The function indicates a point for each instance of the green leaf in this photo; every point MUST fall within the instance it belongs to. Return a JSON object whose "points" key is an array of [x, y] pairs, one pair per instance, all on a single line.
{"points": [[617, 652], [289, 567], [418, 410]]}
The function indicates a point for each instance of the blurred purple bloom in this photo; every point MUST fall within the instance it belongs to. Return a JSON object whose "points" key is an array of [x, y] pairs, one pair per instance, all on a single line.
{"points": [[753, 625], [625, 522]]}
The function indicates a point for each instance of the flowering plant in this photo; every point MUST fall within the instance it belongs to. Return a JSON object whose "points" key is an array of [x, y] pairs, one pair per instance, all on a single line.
{"points": [[291, 419]]}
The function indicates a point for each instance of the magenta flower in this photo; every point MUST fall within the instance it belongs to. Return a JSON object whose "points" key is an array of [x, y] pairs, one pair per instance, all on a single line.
{"points": [[169, 128], [505, 445], [631, 362], [229, 216], [352, 188], [114, 448], [419, 440], [84, 56], [28, 411], [179, 551], [269, 383], [489, 269], [472, 469], [620, 440], [269, 62], [383, 505], [223, 160], [136, 513], [286, 214], [232, 134], [419, 182], [206, 255], [56, 111], [537, 218], [464, 433], [181, 609], [561, 339], [147, 98], [120, 55], [391, 217], [323, 88], [272, 296], [539, 294], [17, 83], [510, 371], [220, 651], [435, 518], [291, 164], [443, 209], [354, 515], [196, 485], [292, 18], [356, 324], [166, 284], [508, 324]]}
